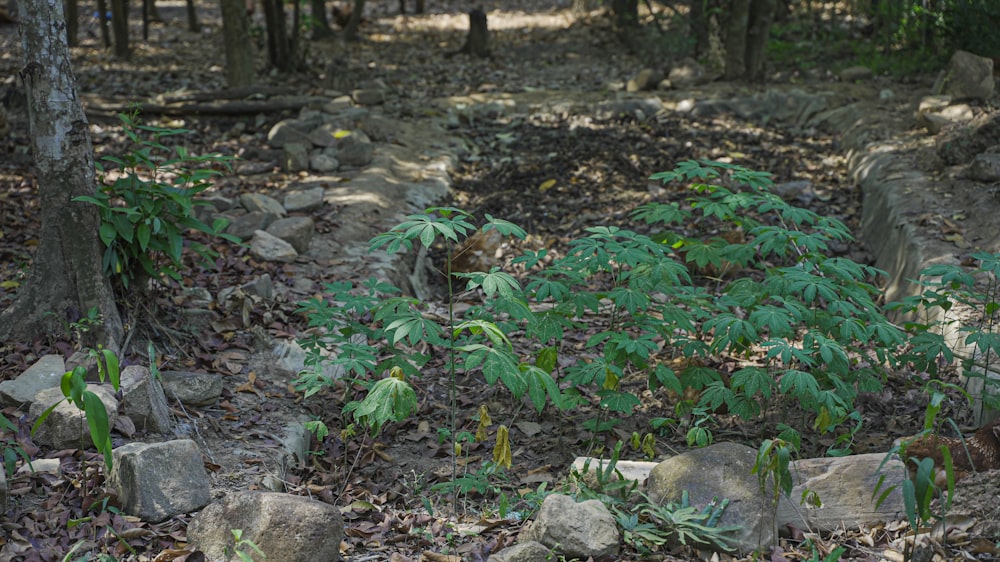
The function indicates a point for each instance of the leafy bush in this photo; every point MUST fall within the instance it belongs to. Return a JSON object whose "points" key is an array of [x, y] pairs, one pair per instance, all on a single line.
{"points": [[147, 204]]}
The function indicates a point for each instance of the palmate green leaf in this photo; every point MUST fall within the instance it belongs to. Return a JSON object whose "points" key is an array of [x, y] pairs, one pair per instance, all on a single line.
{"points": [[392, 240], [775, 319], [662, 213], [494, 334], [753, 380], [788, 352], [799, 383], [503, 365], [541, 385], [618, 401], [664, 376], [389, 399], [504, 227], [629, 299]]}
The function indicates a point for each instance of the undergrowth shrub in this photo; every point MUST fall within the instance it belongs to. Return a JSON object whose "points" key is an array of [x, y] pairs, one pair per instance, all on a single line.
{"points": [[804, 327], [147, 201]]}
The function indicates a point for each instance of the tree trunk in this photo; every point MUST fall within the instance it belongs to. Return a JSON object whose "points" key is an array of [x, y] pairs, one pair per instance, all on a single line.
{"points": [[351, 30], [72, 9], [320, 23], [280, 53], [626, 13], [236, 37], [67, 277], [478, 41], [699, 27], [102, 17], [761, 17], [119, 27], [736, 38], [192, 15]]}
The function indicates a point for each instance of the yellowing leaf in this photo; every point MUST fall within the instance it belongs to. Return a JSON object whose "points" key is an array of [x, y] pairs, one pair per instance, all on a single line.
{"points": [[341, 133], [397, 373], [501, 451], [484, 423], [9, 285], [546, 185], [610, 380]]}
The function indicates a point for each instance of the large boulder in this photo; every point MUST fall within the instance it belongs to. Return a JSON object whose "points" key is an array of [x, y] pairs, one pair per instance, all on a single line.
{"points": [[969, 76], [156, 481], [716, 472], [284, 527], [575, 530]]}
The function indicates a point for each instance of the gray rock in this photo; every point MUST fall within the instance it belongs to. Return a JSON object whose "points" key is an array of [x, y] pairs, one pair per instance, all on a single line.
{"points": [[255, 202], [66, 427], [641, 109], [337, 105], [687, 74], [297, 231], [960, 144], [529, 551], [368, 97], [646, 79], [325, 135], [143, 400], [356, 154], [196, 320], [323, 163], [285, 132], [575, 530], [720, 471], [985, 167], [196, 296], [262, 287], [156, 481], [243, 226], [286, 528], [969, 77], [192, 389], [47, 372], [856, 74], [304, 200], [268, 247], [219, 203], [295, 157]]}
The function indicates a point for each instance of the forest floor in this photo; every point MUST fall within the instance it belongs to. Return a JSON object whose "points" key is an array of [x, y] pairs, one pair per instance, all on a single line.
{"points": [[601, 165]]}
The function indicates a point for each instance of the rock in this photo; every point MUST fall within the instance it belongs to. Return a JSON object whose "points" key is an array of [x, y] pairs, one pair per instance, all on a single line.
{"points": [[355, 154], [47, 372], [262, 287], [687, 74], [664, 84], [720, 471], [368, 97], [243, 226], [284, 132], [297, 231], [143, 400], [529, 551], [574, 530], [295, 157], [156, 481], [985, 167], [286, 528], [856, 74], [640, 109], [969, 76], [195, 320], [41, 466], [646, 79], [305, 200], [219, 203], [336, 105], [268, 247], [255, 202], [66, 427], [845, 486], [960, 144], [325, 135], [192, 389], [936, 112], [322, 163]]}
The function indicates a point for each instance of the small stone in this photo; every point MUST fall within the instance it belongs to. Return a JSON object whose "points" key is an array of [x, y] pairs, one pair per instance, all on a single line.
{"points": [[192, 389], [305, 200], [156, 481], [337, 105], [323, 163], [368, 97], [985, 168], [262, 287], [257, 202], [356, 155], [856, 74], [297, 231], [196, 320], [66, 427], [970, 77], [243, 226], [268, 247], [296, 157], [47, 372], [285, 132]]}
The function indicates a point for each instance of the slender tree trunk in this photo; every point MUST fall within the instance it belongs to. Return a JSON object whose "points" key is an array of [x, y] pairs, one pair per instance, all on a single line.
{"points": [[699, 27], [119, 27], [192, 15], [279, 46], [351, 31], [320, 23], [67, 277], [236, 36], [102, 17], [761, 17], [736, 38], [72, 21]]}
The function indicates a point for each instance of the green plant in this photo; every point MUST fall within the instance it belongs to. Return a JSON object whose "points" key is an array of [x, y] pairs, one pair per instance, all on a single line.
{"points": [[74, 387], [648, 524], [10, 448], [147, 204], [242, 547]]}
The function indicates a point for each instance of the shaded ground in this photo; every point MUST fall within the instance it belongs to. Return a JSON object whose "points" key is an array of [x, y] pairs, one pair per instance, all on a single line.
{"points": [[600, 166]]}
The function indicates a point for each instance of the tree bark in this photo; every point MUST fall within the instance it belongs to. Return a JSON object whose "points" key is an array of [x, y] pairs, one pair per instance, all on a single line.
{"points": [[351, 30], [67, 277], [236, 37], [102, 17], [699, 27], [478, 41], [119, 27], [192, 17], [320, 23], [72, 9], [626, 13], [736, 38], [759, 30]]}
